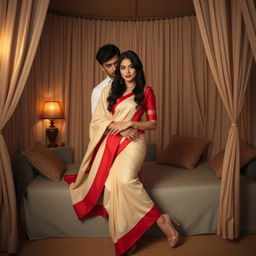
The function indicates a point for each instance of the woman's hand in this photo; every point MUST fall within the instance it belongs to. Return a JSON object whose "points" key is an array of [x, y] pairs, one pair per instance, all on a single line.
{"points": [[131, 134], [117, 127]]}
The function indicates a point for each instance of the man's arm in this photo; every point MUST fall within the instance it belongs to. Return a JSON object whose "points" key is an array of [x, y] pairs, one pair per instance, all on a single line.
{"points": [[94, 100]]}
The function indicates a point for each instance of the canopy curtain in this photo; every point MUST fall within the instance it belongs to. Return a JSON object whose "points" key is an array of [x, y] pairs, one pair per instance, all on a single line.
{"points": [[74, 42], [229, 56], [21, 24], [249, 16], [199, 83]]}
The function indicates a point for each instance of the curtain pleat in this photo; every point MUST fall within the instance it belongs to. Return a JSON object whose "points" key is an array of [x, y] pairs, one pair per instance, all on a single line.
{"points": [[175, 65], [229, 56], [249, 15], [21, 24]]}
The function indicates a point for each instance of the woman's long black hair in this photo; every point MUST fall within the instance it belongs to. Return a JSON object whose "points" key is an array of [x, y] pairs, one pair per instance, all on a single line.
{"points": [[118, 86]]}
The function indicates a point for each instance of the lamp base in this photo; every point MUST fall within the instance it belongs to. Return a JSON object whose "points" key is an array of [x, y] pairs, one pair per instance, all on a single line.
{"points": [[51, 134], [52, 146]]}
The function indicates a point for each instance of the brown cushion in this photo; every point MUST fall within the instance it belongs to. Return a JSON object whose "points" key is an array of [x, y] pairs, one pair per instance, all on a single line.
{"points": [[216, 164], [45, 161], [246, 154], [184, 151]]}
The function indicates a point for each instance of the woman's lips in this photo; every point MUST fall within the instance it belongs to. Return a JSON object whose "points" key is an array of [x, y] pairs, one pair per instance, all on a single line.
{"points": [[128, 76]]}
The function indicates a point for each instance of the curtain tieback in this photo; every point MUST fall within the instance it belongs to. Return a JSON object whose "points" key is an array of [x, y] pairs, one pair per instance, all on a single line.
{"points": [[234, 124]]}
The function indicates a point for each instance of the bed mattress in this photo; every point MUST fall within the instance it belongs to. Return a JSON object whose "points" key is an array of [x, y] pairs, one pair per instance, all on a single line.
{"points": [[190, 196]]}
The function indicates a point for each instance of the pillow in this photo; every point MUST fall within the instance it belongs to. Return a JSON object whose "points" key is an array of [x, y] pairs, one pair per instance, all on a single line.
{"points": [[184, 151], [45, 161], [246, 154], [216, 164]]}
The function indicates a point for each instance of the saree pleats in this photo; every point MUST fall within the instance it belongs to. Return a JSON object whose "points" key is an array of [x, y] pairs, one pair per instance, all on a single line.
{"points": [[129, 205]]}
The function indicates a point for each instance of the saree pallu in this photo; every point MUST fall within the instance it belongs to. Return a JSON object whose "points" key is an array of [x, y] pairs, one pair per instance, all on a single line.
{"points": [[107, 183]]}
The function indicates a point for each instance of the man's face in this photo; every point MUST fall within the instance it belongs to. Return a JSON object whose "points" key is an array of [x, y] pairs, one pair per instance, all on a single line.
{"points": [[110, 66]]}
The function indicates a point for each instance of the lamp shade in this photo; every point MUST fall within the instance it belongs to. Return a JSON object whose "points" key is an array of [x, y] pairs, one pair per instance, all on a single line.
{"points": [[52, 110]]}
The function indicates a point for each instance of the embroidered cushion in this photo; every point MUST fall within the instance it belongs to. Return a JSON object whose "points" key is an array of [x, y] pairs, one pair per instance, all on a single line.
{"points": [[45, 161]]}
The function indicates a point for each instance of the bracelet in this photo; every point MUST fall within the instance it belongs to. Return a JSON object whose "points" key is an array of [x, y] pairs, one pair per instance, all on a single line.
{"points": [[136, 125]]}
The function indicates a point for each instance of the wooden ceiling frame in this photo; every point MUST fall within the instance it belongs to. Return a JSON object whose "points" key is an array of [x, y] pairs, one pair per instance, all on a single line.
{"points": [[123, 9]]}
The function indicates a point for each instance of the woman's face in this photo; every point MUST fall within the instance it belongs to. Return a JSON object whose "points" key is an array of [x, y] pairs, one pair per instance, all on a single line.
{"points": [[128, 72]]}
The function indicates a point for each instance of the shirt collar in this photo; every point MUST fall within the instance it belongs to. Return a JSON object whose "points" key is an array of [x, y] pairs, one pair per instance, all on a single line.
{"points": [[109, 80]]}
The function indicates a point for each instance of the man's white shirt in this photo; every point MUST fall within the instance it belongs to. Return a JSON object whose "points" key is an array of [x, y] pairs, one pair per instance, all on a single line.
{"points": [[96, 92]]}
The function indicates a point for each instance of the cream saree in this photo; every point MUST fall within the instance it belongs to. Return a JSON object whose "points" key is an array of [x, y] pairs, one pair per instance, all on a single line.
{"points": [[107, 183]]}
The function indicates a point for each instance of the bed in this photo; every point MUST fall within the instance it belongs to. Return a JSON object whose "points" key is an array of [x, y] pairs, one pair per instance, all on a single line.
{"points": [[190, 196]]}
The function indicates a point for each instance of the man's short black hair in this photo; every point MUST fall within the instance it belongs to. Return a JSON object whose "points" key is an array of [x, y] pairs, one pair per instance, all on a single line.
{"points": [[107, 52]]}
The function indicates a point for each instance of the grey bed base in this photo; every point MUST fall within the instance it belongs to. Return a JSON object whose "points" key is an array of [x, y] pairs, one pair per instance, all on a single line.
{"points": [[190, 196]]}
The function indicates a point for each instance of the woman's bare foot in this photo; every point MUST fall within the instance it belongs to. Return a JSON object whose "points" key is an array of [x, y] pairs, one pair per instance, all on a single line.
{"points": [[165, 224]]}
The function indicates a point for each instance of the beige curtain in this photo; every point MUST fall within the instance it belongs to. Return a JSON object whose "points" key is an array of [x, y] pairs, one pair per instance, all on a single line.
{"points": [[176, 66], [65, 69], [228, 52], [249, 15], [21, 23]]}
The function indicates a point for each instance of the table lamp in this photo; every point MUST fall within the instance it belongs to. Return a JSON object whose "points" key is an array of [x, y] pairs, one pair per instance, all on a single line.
{"points": [[52, 110]]}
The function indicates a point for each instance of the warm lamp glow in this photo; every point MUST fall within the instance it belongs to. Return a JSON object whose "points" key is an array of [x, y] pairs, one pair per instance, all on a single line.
{"points": [[52, 110], [5, 43]]}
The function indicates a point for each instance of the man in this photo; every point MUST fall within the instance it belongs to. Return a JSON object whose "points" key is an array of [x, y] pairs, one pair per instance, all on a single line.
{"points": [[107, 56]]}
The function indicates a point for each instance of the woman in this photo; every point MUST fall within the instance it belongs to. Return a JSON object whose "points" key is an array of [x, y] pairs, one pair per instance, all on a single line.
{"points": [[112, 162]]}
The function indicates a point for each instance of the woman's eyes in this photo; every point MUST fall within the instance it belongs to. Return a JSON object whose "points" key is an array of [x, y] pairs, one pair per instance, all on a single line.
{"points": [[124, 67]]}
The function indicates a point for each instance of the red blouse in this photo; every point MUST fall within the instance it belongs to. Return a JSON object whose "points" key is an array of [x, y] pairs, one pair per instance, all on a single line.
{"points": [[150, 104]]}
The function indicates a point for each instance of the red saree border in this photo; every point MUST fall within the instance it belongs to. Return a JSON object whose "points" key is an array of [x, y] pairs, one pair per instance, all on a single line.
{"points": [[120, 100], [98, 210], [138, 114], [71, 178], [83, 207], [126, 241], [94, 153], [147, 91]]}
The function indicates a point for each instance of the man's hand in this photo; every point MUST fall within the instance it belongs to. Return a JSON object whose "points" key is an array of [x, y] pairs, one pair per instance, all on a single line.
{"points": [[130, 134]]}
